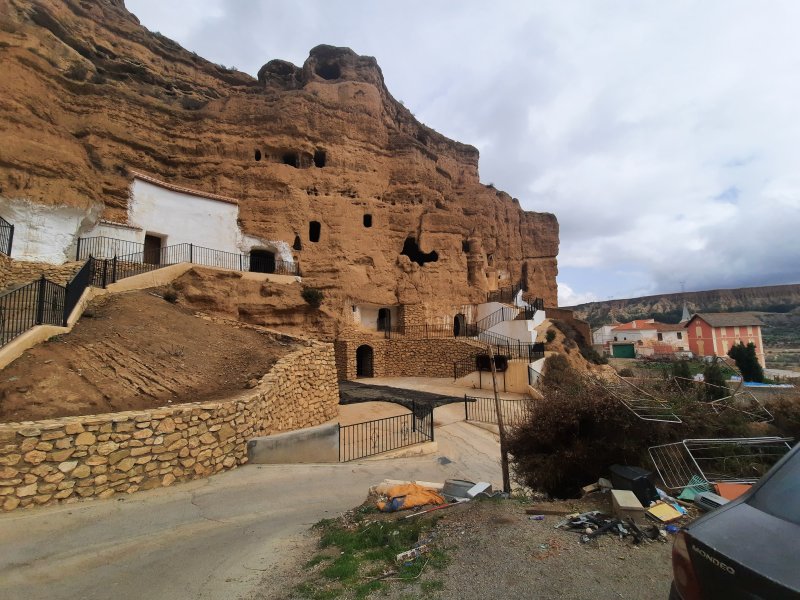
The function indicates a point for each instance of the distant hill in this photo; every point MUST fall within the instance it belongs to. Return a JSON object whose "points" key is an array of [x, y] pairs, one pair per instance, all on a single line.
{"points": [[668, 308]]}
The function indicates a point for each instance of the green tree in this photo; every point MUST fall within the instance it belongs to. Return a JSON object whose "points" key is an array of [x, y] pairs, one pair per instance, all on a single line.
{"points": [[747, 361], [715, 387], [682, 374]]}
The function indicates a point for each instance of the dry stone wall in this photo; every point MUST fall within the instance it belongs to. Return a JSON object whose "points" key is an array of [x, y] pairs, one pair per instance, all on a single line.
{"points": [[17, 272], [404, 357], [62, 460]]}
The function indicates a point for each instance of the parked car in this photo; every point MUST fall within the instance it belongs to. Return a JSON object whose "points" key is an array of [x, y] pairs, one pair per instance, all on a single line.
{"points": [[748, 548]]}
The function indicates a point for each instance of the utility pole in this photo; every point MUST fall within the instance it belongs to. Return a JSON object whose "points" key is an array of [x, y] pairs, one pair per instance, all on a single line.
{"points": [[500, 425]]}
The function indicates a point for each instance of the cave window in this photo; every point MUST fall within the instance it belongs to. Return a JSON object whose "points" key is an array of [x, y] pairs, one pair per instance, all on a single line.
{"points": [[258, 154], [262, 261], [298, 245], [490, 259], [384, 320], [367, 220], [292, 159], [465, 246], [329, 71], [319, 158], [413, 252], [314, 230]]}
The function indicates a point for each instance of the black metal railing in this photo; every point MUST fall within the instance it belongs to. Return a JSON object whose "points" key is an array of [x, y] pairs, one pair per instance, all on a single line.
{"points": [[484, 410], [75, 288], [504, 295], [40, 302], [105, 247], [382, 435], [133, 253], [533, 376], [6, 236], [430, 331]]}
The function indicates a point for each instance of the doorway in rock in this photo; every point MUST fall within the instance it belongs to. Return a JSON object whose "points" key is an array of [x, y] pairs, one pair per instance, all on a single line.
{"points": [[262, 261], [152, 249], [459, 325], [384, 320], [364, 366]]}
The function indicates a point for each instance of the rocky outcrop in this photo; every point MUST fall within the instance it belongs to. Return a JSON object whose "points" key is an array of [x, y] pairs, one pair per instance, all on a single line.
{"points": [[88, 95], [668, 307]]}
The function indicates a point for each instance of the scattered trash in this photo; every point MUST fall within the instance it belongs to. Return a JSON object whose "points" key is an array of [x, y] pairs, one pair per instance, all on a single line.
{"points": [[665, 513], [625, 504], [544, 509], [482, 487], [428, 510], [593, 524], [672, 529], [604, 484], [635, 479], [443, 460], [409, 495], [457, 488], [694, 487], [709, 501], [413, 553], [731, 491], [536, 518], [588, 489]]}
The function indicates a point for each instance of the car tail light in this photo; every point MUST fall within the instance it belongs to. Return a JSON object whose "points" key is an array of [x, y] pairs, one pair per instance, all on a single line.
{"points": [[683, 571]]}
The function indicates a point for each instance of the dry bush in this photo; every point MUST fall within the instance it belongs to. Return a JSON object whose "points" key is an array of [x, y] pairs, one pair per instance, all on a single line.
{"points": [[786, 411], [578, 430]]}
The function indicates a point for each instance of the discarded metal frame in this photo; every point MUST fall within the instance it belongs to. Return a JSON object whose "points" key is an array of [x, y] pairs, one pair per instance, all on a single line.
{"points": [[641, 403], [721, 460], [741, 400]]}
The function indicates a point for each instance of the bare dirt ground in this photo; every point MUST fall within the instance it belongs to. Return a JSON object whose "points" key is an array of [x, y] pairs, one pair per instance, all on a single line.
{"points": [[135, 351], [492, 549]]}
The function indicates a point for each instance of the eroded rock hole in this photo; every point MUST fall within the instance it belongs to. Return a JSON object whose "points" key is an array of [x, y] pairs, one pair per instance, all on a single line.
{"points": [[412, 250], [319, 158], [262, 261], [367, 220], [314, 230], [258, 154], [298, 245], [465, 246], [329, 71], [292, 159]]}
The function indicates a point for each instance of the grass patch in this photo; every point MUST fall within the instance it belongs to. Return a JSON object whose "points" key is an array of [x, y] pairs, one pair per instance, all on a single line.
{"points": [[432, 585], [362, 550]]}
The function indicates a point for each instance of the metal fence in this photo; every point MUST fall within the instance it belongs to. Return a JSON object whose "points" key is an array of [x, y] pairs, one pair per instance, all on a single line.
{"points": [[6, 236], [430, 331], [40, 302], [484, 410], [137, 260], [361, 440]]}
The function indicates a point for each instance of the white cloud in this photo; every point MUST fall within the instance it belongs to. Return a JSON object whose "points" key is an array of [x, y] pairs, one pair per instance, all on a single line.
{"points": [[568, 297], [630, 121]]}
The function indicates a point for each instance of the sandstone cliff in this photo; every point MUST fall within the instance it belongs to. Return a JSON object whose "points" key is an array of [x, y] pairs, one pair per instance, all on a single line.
{"points": [[87, 94]]}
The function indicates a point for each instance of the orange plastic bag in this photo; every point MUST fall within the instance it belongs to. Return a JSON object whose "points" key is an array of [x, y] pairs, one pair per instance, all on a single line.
{"points": [[409, 495]]}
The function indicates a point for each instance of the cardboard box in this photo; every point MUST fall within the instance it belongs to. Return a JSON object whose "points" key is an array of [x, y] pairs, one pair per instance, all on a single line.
{"points": [[626, 505]]}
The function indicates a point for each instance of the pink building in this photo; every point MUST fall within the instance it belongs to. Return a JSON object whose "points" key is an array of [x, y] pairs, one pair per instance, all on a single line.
{"points": [[713, 334]]}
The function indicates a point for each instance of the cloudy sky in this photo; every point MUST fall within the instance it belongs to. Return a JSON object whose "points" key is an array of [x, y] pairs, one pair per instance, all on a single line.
{"points": [[664, 135]]}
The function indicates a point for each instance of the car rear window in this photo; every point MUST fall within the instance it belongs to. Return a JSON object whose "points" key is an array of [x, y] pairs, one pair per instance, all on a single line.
{"points": [[780, 495]]}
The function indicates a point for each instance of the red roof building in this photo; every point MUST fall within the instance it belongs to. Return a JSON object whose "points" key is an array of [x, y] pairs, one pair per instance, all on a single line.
{"points": [[713, 334]]}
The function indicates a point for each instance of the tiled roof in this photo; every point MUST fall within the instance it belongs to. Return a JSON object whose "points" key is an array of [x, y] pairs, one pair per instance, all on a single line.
{"points": [[181, 189], [735, 319], [669, 326], [636, 325]]}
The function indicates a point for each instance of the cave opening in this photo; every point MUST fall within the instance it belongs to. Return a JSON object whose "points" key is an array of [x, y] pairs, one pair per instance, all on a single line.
{"points": [[298, 245], [412, 250], [367, 220], [258, 154], [314, 230], [319, 158], [292, 159], [329, 71], [465, 246]]}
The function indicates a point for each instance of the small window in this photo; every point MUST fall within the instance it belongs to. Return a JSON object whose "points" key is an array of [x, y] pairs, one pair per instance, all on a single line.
{"points": [[660, 337], [615, 339], [490, 259], [680, 335], [319, 158], [465, 246], [367, 220], [314, 230], [298, 245], [258, 154]]}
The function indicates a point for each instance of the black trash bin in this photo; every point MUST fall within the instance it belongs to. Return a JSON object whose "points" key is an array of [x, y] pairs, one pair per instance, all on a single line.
{"points": [[635, 479]]}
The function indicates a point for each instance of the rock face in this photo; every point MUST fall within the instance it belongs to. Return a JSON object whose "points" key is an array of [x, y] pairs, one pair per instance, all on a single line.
{"points": [[319, 152]]}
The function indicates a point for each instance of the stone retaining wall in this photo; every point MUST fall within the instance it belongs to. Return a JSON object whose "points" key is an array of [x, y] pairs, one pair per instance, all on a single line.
{"points": [[17, 272], [62, 460], [404, 357]]}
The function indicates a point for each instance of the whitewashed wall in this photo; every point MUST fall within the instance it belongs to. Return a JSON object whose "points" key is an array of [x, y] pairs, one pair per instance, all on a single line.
{"points": [[46, 233], [367, 315]]}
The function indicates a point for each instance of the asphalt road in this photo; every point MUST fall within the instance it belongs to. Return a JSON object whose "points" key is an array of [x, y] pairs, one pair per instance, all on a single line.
{"points": [[216, 538]]}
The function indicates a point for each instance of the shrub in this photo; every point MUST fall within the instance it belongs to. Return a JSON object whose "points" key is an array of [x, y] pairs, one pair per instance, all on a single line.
{"points": [[313, 296], [626, 372], [571, 336], [171, 295], [683, 374], [715, 387], [747, 361], [550, 336], [593, 356], [786, 411], [557, 372]]}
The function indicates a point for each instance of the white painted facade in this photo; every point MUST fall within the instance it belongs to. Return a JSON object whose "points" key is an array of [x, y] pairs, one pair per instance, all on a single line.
{"points": [[47, 233], [602, 335], [366, 315]]}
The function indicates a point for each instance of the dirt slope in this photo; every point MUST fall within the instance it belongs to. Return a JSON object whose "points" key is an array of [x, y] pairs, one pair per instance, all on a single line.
{"points": [[134, 351]]}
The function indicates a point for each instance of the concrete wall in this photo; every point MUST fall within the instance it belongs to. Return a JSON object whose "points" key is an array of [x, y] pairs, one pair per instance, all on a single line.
{"points": [[514, 379], [311, 445], [62, 460]]}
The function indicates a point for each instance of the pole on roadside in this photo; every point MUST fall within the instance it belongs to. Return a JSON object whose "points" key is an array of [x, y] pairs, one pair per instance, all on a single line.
{"points": [[500, 425]]}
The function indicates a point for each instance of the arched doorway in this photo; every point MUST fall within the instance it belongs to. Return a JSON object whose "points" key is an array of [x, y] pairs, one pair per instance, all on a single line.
{"points": [[262, 261], [459, 325], [364, 366], [384, 319]]}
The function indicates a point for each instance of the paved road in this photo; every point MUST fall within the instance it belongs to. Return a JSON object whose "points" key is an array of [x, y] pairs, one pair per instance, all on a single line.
{"points": [[230, 536]]}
